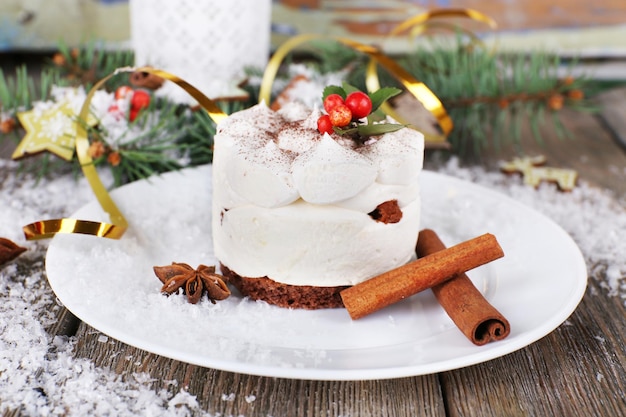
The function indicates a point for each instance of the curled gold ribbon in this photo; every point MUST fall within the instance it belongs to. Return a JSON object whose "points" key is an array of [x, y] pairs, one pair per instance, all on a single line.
{"points": [[47, 228], [416, 23], [438, 13], [418, 89]]}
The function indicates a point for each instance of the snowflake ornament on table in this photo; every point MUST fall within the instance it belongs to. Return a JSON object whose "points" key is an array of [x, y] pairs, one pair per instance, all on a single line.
{"points": [[534, 172], [50, 128]]}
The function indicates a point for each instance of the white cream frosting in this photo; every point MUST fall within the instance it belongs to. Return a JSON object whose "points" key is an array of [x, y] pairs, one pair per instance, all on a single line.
{"points": [[328, 173], [292, 204]]}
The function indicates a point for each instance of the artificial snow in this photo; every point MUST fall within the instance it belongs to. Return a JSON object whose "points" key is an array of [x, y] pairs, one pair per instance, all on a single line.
{"points": [[40, 376], [228, 397]]}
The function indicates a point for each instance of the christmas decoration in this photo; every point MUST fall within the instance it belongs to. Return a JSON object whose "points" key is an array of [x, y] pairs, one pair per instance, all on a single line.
{"points": [[376, 58], [478, 91], [51, 130], [117, 227], [146, 80], [7, 124], [534, 172], [85, 65], [349, 108], [485, 92]]}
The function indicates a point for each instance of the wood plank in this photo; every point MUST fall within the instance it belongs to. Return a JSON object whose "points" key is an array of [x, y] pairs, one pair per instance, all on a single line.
{"points": [[525, 15], [613, 112], [227, 393], [63, 322], [6, 147], [578, 370], [590, 149]]}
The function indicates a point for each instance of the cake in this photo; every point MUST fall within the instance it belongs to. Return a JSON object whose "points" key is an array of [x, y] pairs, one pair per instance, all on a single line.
{"points": [[299, 215]]}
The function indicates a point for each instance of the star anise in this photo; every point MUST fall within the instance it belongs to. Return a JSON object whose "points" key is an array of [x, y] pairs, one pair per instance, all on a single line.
{"points": [[9, 250], [194, 282]]}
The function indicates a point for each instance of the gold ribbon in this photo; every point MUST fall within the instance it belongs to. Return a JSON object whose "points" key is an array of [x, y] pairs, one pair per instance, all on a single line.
{"points": [[418, 21], [114, 230], [438, 13], [419, 90]]}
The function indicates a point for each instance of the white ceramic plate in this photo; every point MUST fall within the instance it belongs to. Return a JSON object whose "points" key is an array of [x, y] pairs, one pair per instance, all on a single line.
{"points": [[110, 285]]}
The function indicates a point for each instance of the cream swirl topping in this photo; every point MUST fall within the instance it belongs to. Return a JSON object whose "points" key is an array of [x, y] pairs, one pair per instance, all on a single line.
{"points": [[279, 157]]}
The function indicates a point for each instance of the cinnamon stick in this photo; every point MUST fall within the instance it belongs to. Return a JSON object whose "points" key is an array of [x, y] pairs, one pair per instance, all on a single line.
{"points": [[392, 286], [479, 321]]}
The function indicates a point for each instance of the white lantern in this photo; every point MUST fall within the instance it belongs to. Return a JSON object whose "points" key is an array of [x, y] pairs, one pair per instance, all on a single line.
{"points": [[207, 43]]}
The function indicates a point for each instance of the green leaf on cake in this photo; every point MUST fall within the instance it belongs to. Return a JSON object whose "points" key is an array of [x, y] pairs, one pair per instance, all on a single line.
{"points": [[378, 97], [369, 130], [333, 89], [378, 129], [349, 88], [345, 131], [375, 120]]}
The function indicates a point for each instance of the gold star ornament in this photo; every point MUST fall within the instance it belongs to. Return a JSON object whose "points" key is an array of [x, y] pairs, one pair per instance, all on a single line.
{"points": [[52, 130]]}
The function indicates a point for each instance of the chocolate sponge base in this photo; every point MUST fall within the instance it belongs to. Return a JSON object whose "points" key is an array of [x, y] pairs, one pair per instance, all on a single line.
{"points": [[284, 295]]}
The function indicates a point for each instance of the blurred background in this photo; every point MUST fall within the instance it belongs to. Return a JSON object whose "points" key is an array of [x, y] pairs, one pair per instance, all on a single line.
{"points": [[591, 28]]}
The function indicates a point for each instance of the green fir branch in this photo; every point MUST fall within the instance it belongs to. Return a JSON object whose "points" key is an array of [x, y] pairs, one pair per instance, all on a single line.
{"points": [[484, 91], [90, 63], [477, 86], [19, 90]]}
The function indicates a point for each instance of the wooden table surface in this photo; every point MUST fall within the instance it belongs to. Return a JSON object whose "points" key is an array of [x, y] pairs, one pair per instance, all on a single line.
{"points": [[577, 370]]}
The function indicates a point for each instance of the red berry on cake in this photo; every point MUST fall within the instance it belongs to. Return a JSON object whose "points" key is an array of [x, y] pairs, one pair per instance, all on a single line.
{"points": [[140, 100], [324, 125], [340, 116], [359, 104], [331, 101], [350, 112]]}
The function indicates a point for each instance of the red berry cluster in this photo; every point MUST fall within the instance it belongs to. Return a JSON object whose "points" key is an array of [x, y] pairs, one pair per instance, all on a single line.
{"points": [[340, 112], [137, 100]]}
